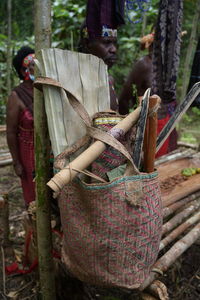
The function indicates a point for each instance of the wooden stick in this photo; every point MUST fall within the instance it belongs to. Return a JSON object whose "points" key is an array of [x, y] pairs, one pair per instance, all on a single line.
{"points": [[5, 158], [6, 162], [170, 256], [182, 194], [158, 289], [3, 270], [180, 216], [2, 128], [180, 229], [174, 156], [173, 207], [4, 214], [89, 155], [152, 135], [187, 145]]}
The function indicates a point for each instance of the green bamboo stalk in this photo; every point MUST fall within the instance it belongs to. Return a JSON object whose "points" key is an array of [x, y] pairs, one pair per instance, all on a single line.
{"points": [[42, 154]]}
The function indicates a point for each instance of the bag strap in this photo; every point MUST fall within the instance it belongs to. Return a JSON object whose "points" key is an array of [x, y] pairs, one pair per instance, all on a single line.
{"points": [[60, 159], [96, 133]]}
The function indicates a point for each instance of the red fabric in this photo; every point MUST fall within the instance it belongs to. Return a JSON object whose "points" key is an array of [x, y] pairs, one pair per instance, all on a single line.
{"points": [[14, 267], [164, 149], [26, 150]]}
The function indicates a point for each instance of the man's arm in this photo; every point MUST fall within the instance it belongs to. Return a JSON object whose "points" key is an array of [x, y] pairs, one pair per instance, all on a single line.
{"points": [[113, 96], [136, 77]]}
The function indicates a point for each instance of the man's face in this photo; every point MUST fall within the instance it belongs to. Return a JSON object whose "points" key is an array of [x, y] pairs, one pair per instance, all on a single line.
{"points": [[105, 48]]}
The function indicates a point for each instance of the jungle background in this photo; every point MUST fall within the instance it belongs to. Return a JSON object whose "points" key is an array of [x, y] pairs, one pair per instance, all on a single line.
{"points": [[16, 30]]}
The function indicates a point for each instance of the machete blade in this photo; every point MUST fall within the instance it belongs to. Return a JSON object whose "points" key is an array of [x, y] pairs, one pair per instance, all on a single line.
{"points": [[137, 150], [179, 111]]}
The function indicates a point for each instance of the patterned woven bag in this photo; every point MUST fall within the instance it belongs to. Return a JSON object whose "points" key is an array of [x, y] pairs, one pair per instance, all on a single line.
{"points": [[108, 239], [112, 230]]}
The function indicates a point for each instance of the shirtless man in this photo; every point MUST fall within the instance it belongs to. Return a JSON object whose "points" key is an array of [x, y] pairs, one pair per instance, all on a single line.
{"points": [[140, 76]]}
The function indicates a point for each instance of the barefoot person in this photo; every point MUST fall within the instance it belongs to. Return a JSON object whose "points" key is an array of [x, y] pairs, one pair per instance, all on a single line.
{"points": [[19, 122]]}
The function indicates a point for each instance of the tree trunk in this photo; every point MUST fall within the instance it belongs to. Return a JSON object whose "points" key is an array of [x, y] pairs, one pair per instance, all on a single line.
{"points": [[9, 58], [42, 154], [186, 69]]}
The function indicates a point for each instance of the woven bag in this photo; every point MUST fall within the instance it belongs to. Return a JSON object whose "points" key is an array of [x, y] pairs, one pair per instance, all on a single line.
{"points": [[108, 240], [112, 230]]}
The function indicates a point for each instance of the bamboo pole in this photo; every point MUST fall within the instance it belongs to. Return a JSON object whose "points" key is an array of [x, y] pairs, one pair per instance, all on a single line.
{"points": [[180, 217], [89, 155], [170, 256], [42, 165], [173, 207], [180, 229]]}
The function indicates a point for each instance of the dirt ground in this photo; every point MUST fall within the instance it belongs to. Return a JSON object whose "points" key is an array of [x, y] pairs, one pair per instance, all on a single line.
{"points": [[182, 279]]}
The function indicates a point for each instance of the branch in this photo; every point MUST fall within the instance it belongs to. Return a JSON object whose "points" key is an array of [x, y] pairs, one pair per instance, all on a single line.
{"points": [[170, 256]]}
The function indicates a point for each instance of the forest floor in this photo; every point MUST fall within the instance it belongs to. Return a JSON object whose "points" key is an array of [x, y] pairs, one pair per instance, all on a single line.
{"points": [[182, 279]]}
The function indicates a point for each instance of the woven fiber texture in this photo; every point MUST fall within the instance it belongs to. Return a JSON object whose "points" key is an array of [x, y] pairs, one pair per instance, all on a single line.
{"points": [[108, 240], [110, 158]]}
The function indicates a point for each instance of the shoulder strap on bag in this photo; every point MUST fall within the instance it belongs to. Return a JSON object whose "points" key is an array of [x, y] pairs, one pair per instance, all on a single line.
{"points": [[96, 133]]}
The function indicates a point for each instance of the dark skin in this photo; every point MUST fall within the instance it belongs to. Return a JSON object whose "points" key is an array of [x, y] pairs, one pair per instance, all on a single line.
{"points": [[141, 76], [14, 107], [105, 48]]}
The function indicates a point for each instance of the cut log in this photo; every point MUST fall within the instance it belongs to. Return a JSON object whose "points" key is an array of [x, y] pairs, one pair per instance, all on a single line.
{"points": [[2, 128], [6, 162], [187, 145], [180, 229], [173, 207], [177, 219], [173, 156], [170, 256], [5, 158], [158, 289]]}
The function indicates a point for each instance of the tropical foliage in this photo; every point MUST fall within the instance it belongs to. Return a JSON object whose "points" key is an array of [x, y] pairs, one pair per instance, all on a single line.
{"points": [[67, 17]]}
